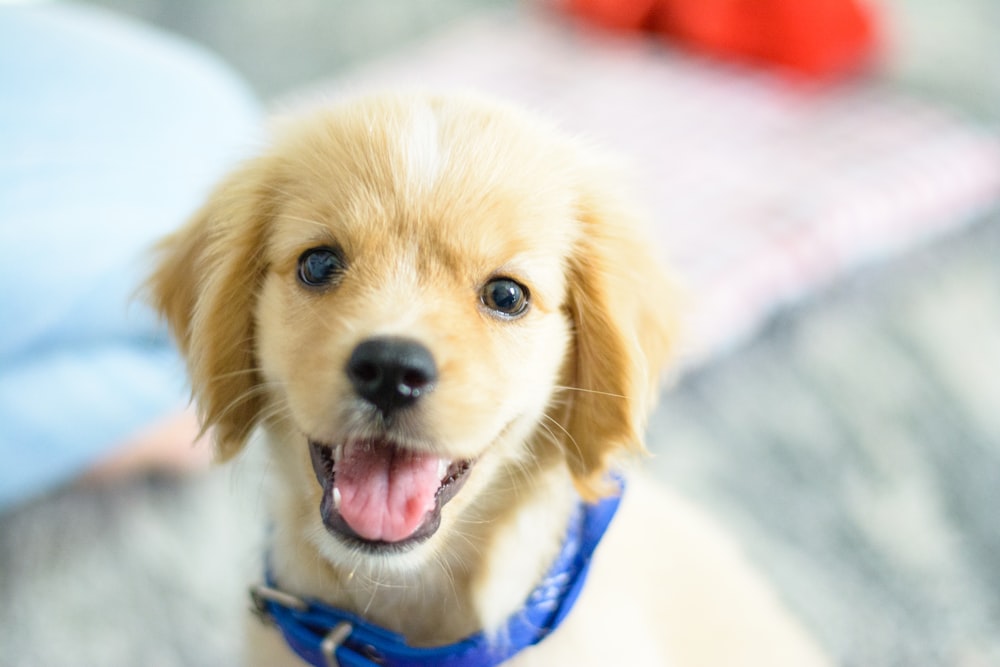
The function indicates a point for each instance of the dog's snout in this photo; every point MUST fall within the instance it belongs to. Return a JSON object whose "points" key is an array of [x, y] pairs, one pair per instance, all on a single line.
{"points": [[391, 373]]}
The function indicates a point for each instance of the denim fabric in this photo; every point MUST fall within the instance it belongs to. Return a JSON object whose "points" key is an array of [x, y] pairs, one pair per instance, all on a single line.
{"points": [[111, 134]]}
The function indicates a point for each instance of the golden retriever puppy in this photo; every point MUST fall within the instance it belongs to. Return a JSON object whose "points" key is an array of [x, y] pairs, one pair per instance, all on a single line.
{"points": [[440, 317]]}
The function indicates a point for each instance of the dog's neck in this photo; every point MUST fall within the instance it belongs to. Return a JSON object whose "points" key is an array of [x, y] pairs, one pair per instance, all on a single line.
{"points": [[477, 577]]}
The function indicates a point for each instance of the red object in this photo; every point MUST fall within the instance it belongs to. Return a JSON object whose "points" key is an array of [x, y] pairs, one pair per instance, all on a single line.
{"points": [[817, 38], [630, 15]]}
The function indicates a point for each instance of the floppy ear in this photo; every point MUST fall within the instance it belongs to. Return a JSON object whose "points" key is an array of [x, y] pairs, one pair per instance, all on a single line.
{"points": [[624, 311], [206, 288]]}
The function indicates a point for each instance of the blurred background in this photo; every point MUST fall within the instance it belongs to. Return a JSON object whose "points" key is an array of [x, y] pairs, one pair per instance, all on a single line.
{"points": [[934, 48], [836, 223]]}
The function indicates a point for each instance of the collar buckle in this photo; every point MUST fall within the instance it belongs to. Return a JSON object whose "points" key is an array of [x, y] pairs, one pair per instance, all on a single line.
{"points": [[333, 640], [261, 594]]}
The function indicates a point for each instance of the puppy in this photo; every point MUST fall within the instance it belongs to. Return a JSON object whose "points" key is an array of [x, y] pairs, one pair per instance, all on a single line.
{"points": [[438, 314]]}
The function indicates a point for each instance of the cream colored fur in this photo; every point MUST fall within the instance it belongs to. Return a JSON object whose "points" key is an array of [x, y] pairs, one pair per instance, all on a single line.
{"points": [[429, 197]]}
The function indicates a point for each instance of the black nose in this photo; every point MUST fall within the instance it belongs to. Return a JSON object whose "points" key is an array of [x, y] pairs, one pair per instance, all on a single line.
{"points": [[391, 373]]}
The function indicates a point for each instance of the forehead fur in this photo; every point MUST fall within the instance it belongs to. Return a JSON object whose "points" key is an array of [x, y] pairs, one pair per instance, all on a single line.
{"points": [[439, 171]]}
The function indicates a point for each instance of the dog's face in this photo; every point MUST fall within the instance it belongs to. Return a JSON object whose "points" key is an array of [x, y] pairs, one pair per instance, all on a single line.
{"points": [[418, 299]]}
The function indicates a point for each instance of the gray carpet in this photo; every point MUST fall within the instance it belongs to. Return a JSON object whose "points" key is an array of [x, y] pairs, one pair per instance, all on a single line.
{"points": [[152, 572], [855, 447]]}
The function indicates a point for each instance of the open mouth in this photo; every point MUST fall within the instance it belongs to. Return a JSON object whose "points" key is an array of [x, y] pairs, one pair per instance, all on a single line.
{"points": [[379, 495]]}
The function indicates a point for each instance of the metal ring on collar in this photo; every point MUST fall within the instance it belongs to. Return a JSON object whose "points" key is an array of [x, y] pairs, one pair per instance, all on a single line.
{"points": [[333, 640], [262, 593]]}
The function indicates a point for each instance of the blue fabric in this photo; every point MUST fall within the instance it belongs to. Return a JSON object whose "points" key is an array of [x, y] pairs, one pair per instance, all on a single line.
{"points": [[111, 134], [546, 607]]}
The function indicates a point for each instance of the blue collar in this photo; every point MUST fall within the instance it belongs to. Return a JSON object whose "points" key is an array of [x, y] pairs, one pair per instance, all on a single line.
{"points": [[325, 636]]}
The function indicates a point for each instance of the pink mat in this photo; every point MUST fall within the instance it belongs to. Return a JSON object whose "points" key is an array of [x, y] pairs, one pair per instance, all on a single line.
{"points": [[760, 192]]}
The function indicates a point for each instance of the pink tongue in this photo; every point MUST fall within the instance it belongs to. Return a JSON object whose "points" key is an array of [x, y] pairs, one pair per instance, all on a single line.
{"points": [[385, 492]]}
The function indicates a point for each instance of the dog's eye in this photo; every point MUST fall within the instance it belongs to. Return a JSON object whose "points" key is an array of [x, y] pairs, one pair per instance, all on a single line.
{"points": [[505, 296], [319, 266]]}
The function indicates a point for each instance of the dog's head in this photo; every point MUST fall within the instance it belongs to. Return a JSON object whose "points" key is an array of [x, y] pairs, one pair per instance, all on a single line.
{"points": [[415, 297]]}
